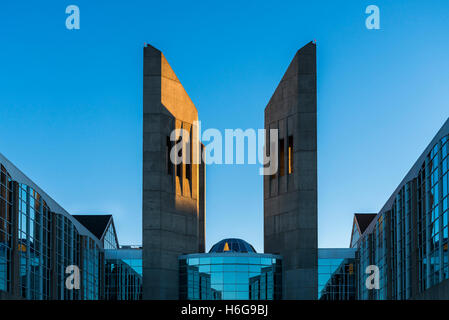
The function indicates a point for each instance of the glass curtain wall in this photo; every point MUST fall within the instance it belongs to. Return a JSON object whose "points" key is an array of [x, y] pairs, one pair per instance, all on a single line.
{"points": [[230, 276]]}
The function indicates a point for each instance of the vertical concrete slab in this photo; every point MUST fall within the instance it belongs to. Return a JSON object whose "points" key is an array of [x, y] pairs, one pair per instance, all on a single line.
{"points": [[290, 200], [202, 205], [173, 204]]}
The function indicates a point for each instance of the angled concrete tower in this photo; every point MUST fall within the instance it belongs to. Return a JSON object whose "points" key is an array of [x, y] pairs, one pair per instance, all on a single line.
{"points": [[290, 196], [173, 194]]}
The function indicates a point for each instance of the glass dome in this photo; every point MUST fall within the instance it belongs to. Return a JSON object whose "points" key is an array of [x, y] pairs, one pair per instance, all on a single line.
{"points": [[232, 245]]}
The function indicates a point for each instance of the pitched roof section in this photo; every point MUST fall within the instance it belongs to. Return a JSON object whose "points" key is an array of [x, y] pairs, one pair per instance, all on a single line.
{"points": [[96, 224], [360, 223], [363, 220]]}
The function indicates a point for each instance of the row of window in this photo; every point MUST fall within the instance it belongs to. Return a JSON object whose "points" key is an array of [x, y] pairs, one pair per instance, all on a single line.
{"points": [[282, 170], [178, 152], [337, 279], [5, 228], [123, 279], [230, 280], [40, 249], [419, 211]]}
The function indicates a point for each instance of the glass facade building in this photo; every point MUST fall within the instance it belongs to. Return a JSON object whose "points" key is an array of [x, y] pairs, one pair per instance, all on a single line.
{"points": [[406, 242], [408, 239], [123, 274], [232, 270], [39, 240], [6, 200], [337, 274], [34, 244]]}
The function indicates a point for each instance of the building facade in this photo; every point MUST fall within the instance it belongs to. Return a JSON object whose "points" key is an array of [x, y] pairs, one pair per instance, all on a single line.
{"points": [[173, 193], [123, 274], [290, 195], [232, 270], [408, 239], [39, 240], [337, 274], [406, 243]]}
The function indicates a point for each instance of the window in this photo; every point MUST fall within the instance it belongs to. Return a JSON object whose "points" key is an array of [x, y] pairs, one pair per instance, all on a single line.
{"points": [[6, 187], [168, 147], [230, 278], [34, 245], [179, 165], [290, 154], [110, 240], [281, 158], [189, 158]]}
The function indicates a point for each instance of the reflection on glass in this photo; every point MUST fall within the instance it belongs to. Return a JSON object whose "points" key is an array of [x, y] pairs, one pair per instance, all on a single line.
{"points": [[237, 276], [123, 274]]}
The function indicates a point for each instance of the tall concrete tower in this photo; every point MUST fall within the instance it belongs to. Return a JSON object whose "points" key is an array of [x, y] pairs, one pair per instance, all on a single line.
{"points": [[173, 208], [290, 195]]}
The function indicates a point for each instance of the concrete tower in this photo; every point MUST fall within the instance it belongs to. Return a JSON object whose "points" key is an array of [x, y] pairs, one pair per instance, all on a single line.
{"points": [[290, 195], [173, 194]]}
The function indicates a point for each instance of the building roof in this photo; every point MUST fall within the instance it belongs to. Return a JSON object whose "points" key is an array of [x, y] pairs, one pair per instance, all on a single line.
{"points": [[232, 245], [363, 220], [96, 224], [18, 176], [413, 172], [360, 223]]}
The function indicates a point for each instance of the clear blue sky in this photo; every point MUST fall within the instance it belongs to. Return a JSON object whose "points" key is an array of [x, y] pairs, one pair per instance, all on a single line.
{"points": [[71, 101]]}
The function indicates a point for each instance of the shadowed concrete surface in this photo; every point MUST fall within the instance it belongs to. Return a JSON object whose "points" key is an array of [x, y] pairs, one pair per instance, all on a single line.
{"points": [[173, 195], [439, 291], [290, 196]]}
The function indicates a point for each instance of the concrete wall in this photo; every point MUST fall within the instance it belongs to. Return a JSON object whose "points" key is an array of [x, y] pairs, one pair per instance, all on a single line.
{"points": [[290, 201], [171, 207], [202, 205]]}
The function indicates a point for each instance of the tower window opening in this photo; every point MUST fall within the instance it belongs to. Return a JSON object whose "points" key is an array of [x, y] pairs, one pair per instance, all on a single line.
{"points": [[290, 154], [179, 165], [189, 159], [281, 158], [168, 147]]}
